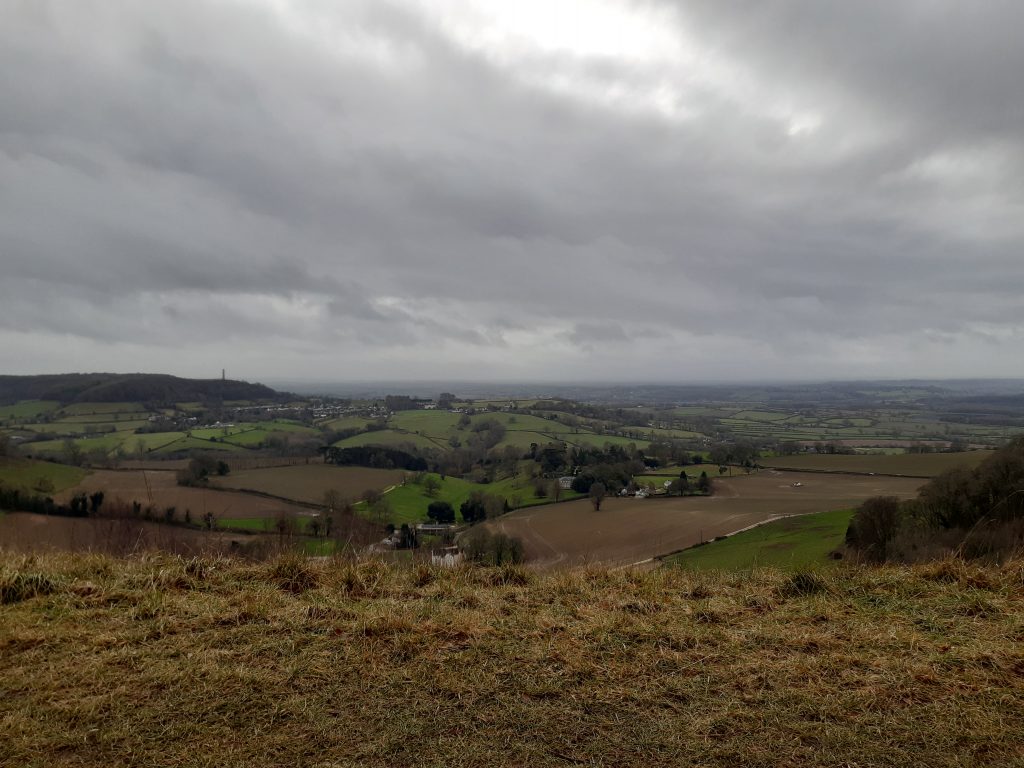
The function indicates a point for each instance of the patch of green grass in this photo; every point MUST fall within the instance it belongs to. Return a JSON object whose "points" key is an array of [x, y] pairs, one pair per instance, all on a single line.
{"points": [[346, 422], [92, 408], [194, 443], [27, 409], [26, 474], [790, 543], [390, 438], [409, 502]]}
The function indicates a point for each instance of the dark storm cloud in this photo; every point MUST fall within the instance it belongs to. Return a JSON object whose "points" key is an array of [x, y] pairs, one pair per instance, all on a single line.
{"points": [[491, 189]]}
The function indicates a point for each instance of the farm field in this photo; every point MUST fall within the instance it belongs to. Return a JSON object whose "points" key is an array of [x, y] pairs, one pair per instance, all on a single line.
{"points": [[27, 409], [787, 544], [24, 532], [26, 474], [131, 486], [309, 482], [391, 439], [408, 503], [909, 464], [434, 430], [630, 530], [891, 425]]}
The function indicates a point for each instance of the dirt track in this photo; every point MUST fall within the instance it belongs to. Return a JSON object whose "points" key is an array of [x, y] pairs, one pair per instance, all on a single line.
{"points": [[629, 530]]}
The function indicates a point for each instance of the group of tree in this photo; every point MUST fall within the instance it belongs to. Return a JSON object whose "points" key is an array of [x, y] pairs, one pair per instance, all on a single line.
{"points": [[200, 469], [974, 512], [741, 453], [375, 456], [481, 506], [485, 547], [79, 505]]}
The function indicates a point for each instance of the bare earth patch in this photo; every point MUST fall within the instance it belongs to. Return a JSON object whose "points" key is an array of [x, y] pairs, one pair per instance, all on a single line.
{"points": [[139, 485]]}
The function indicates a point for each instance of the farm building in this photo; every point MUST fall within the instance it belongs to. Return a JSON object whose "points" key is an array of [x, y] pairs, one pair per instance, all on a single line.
{"points": [[434, 529]]}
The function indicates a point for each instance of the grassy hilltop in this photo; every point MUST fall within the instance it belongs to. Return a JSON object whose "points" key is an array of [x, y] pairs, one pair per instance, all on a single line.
{"points": [[167, 662]]}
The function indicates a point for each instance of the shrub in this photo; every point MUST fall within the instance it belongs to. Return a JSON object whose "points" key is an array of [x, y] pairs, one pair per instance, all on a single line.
{"points": [[874, 524]]}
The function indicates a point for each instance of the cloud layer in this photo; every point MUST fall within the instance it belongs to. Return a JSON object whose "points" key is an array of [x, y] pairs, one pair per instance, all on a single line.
{"points": [[546, 189]]}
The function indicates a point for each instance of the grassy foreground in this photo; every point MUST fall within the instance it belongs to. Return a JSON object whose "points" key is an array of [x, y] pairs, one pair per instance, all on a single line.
{"points": [[167, 662]]}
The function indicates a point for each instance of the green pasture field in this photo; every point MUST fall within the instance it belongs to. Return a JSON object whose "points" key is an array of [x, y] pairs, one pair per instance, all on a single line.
{"points": [[913, 464], [520, 430], [106, 443], [440, 424], [281, 425], [193, 443], [246, 438], [26, 474], [259, 524], [409, 502], [102, 418], [787, 544], [152, 440], [78, 428], [93, 408], [218, 432], [27, 409], [390, 438], [769, 416], [660, 433], [346, 422]]}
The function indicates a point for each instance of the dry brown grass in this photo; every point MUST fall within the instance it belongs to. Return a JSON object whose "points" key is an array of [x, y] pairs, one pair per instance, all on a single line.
{"points": [[163, 661]]}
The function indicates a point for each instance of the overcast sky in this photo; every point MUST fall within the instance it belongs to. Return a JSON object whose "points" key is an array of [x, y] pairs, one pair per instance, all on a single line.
{"points": [[538, 189]]}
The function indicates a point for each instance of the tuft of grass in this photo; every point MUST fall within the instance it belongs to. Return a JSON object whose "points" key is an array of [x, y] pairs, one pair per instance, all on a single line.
{"points": [[16, 586], [802, 584], [293, 573]]}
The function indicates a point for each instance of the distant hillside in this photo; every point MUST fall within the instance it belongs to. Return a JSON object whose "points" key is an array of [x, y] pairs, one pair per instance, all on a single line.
{"points": [[127, 387]]}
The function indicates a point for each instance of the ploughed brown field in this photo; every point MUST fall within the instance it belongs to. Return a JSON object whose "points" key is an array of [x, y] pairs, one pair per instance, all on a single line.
{"points": [[309, 482], [25, 532], [132, 486], [629, 530]]}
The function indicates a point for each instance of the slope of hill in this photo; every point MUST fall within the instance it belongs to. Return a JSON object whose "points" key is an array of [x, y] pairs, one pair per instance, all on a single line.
{"points": [[161, 661], [127, 387]]}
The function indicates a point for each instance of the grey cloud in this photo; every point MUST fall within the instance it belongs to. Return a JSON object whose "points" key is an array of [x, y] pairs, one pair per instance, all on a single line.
{"points": [[352, 176]]}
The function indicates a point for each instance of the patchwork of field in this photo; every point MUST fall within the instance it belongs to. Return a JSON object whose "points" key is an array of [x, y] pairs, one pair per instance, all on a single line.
{"points": [[631, 530], [161, 489], [894, 425], [437, 429], [908, 464], [309, 482], [788, 544]]}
